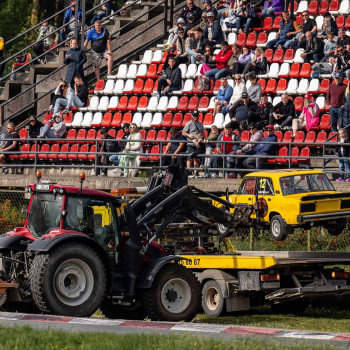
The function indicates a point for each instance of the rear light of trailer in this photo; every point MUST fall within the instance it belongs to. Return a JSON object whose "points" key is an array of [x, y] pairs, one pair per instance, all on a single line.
{"points": [[268, 278], [340, 274]]}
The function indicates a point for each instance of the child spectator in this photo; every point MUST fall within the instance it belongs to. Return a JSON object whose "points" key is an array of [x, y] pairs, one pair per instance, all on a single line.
{"points": [[210, 142], [343, 153], [200, 149]]}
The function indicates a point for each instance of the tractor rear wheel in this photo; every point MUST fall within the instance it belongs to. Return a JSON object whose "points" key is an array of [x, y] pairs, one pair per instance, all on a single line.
{"points": [[174, 295], [70, 280]]}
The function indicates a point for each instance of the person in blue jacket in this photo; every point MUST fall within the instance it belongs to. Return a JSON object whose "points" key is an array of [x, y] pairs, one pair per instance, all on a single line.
{"points": [[212, 31], [223, 97], [75, 59], [267, 149], [68, 21]]}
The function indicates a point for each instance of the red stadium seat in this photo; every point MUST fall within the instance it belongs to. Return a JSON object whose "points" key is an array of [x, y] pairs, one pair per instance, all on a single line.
{"points": [[151, 71], [24, 148], [204, 102], [143, 133], [193, 103], [305, 71], [167, 120], [117, 120], [282, 152], [55, 148], [151, 135], [138, 87], [325, 122], [91, 156], [44, 148], [100, 85], [241, 39], [295, 153], [324, 87], [294, 70], [323, 7], [177, 121], [269, 55], [48, 116], [73, 155], [305, 152], [347, 23], [166, 53], [71, 135], [120, 134], [279, 135], [245, 135], [282, 85], [148, 87], [159, 70], [267, 24], [295, 6], [262, 83], [22, 133], [81, 135], [161, 136], [210, 91], [287, 136], [132, 104], [271, 86], [299, 137], [334, 6], [123, 102], [217, 85], [331, 138], [143, 102], [340, 21], [262, 38], [65, 149], [127, 118], [208, 119], [312, 8], [299, 19], [299, 103], [183, 103], [83, 152], [187, 118], [278, 56], [91, 135], [154, 150], [68, 118], [276, 22], [288, 55], [310, 138], [321, 138], [107, 119], [251, 40]]}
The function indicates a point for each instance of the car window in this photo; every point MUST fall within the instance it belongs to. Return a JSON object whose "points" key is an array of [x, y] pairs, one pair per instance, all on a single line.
{"points": [[248, 186], [265, 186]]}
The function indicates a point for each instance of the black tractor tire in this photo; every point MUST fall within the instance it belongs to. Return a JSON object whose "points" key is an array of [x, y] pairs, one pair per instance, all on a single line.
{"points": [[278, 228], [174, 295], [133, 312], [295, 307], [213, 302], [69, 280], [337, 228]]}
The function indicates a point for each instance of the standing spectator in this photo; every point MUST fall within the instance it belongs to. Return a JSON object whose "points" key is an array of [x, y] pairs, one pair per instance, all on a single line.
{"points": [[309, 117], [329, 25], [171, 79], [210, 142], [75, 59], [208, 7], [76, 98], [248, 17], [46, 31], [343, 39], [130, 159], [313, 50], [263, 149], [69, 21], [190, 130], [54, 129], [228, 147], [254, 90], [62, 91], [222, 58], [343, 153], [9, 146], [174, 148], [244, 112], [283, 113], [2, 65], [264, 110], [244, 59], [192, 8], [197, 46], [107, 146], [100, 47], [223, 97], [213, 32], [334, 98], [34, 129], [258, 65], [285, 31], [238, 89], [271, 7]]}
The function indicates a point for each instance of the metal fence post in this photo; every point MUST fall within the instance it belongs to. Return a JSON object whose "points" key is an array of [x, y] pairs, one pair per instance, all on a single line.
{"points": [[166, 17], [171, 13]]}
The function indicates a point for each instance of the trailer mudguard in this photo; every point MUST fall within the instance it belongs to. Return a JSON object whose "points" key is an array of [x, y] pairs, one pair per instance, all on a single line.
{"points": [[147, 276], [13, 242]]}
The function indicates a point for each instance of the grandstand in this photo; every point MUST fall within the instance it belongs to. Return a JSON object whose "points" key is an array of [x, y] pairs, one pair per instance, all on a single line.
{"points": [[127, 96]]}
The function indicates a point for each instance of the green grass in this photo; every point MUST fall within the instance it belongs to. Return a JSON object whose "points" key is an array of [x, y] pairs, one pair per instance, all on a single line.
{"points": [[315, 319], [25, 338]]}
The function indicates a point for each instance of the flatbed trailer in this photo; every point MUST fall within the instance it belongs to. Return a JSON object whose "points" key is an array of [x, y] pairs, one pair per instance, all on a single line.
{"points": [[235, 281]]}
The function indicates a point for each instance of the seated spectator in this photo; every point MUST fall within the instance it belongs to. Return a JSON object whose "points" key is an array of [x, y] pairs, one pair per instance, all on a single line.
{"points": [[212, 31], [222, 58], [285, 31], [309, 25], [54, 129], [171, 80], [223, 97], [329, 47], [244, 112], [190, 130], [271, 7], [190, 23], [244, 59], [263, 149], [109, 147], [208, 7], [294, 39], [210, 142], [75, 59], [9, 146], [34, 129], [264, 110], [115, 158], [196, 154], [76, 98], [130, 159], [258, 65], [69, 21], [343, 39], [342, 60], [313, 50], [46, 39], [229, 148], [197, 46], [191, 8], [309, 117], [204, 21], [248, 17], [62, 91], [236, 50], [174, 148], [173, 34], [100, 12], [209, 60], [182, 43], [254, 90], [329, 25], [238, 89], [223, 6], [283, 113]]}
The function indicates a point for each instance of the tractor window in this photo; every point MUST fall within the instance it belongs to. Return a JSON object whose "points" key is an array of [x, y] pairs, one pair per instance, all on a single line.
{"points": [[248, 186], [95, 217]]}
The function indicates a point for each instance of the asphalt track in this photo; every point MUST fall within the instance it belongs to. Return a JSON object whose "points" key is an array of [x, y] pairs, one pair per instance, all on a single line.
{"points": [[44, 322]]}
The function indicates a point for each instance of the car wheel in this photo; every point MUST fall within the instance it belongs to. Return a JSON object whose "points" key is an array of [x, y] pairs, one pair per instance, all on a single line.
{"points": [[278, 228], [337, 228], [213, 301]]}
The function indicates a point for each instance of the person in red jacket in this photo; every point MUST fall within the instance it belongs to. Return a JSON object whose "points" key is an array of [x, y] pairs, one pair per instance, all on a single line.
{"points": [[222, 69]]}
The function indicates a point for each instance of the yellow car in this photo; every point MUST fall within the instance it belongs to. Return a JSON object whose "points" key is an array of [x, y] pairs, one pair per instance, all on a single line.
{"points": [[285, 199]]}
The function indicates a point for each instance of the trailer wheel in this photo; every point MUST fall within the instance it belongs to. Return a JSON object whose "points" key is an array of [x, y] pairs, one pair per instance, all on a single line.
{"points": [[222, 229], [174, 295], [295, 307], [69, 280], [278, 228], [213, 301], [132, 312], [337, 228]]}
